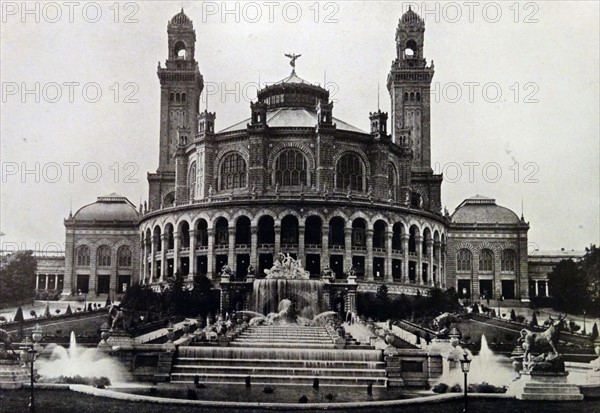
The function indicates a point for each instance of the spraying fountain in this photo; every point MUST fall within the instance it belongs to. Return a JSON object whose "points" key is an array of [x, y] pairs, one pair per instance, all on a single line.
{"points": [[78, 361]]}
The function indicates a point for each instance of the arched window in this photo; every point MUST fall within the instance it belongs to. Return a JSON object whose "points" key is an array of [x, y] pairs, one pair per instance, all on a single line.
{"points": [[463, 260], [291, 168], [83, 256], [103, 256], [392, 180], [124, 256], [486, 260], [192, 180], [350, 173], [233, 172], [508, 261]]}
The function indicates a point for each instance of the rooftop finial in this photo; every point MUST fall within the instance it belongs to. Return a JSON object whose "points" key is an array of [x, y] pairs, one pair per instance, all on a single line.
{"points": [[293, 57]]}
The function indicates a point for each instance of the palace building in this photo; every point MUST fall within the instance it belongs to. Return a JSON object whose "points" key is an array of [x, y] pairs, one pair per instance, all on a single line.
{"points": [[294, 179]]}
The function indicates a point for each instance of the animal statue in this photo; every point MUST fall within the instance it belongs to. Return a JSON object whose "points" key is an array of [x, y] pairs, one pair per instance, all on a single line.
{"points": [[534, 341], [6, 341], [445, 320], [117, 314]]}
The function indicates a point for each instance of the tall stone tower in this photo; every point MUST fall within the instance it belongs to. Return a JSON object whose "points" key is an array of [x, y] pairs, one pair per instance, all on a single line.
{"points": [[181, 85], [409, 84]]}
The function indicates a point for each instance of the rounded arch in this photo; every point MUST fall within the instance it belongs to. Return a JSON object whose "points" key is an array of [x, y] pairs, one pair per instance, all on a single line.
{"points": [[266, 229], [232, 171], [262, 212], [464, 260], [103, 256], [398, 231], [183, 229], [83, 255], [351, 172], [242, 230], [486, 260], [380, 228], [124, 256], [279, 148], [169, 199], [337, 225], [241, 213], [289, 230], [314, 230], [359, 232], [178, 48], [291, 169]]}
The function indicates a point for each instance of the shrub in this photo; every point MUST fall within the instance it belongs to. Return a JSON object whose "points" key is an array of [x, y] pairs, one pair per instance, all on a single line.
{"points": [[330, 397], [303, 399], [456, 388], [69, 311], [594, 334], [534, 321], [513, 315], [574, 327], [440, 388], [33, 313], [99, 382], [268, 390], [191, 394], [486, 388]]}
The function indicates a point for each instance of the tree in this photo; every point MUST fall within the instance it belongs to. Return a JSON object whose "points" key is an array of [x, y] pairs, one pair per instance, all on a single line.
{"points": [[513, 315], [68, 310], [47, 312], [594, 335], [17, 277], [575, 286], [534, 321], [19, 315]]}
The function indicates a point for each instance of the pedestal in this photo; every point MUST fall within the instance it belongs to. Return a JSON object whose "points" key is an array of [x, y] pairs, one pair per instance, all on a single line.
{"points": [[545, 386]]}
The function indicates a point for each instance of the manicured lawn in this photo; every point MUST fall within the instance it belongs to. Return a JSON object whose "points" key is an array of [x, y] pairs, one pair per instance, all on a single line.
{"points": [[64, 401]]}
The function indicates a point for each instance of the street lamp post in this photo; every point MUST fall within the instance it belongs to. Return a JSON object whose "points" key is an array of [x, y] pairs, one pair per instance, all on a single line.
{"points": [[465, 365], [584, 332], [30, 354]]}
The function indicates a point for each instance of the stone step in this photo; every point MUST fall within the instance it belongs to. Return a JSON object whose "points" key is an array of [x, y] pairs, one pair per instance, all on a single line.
{"points": [[552, 397], [283, 344], [279, 379], [350, 364], [256, 370], [551, 390]]}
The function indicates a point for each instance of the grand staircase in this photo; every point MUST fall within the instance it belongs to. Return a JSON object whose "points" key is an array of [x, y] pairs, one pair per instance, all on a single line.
{"points": [[283, 355]]}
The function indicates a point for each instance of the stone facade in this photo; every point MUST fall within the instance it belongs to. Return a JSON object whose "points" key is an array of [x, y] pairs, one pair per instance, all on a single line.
{"points": [[101, 248], [294, 179], [487, 251]]}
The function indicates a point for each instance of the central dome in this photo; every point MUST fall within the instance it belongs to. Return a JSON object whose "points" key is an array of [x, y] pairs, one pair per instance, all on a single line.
{"points": [[292, 102], [292, 91]]}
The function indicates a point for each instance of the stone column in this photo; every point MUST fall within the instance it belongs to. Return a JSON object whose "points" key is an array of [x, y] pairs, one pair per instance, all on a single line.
{"points": [[388, 259], [430, 261], [210, 255], [163, 256], [143, 261], [324, 249], [192, 265], [405, 238], [112, 289], [154, 242], [348, 248], [176, 243], [419, 248], [277, 229], [37, 282], [369, 264], [437, 245], [231, 261], [537, 286], [497, 280], [301, 250], [254, 247]]}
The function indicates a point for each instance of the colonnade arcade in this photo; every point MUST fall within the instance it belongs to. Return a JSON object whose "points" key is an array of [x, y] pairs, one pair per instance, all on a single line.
{"points": [[374, 248]]}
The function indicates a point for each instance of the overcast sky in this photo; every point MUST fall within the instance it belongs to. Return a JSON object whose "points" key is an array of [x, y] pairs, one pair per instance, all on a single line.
{"points": [[541, 133]]}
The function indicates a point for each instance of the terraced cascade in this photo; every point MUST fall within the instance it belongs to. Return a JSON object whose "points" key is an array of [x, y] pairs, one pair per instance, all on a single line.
{"points": [[281, 354]]}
